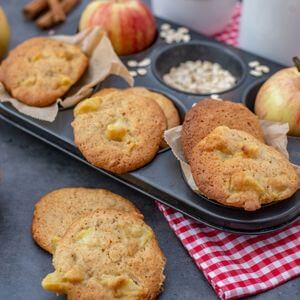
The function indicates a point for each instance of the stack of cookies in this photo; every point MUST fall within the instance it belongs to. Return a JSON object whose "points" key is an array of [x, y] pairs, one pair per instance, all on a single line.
{"points": [[41, 70], [101, 247], [230, 163], [122, 130]]}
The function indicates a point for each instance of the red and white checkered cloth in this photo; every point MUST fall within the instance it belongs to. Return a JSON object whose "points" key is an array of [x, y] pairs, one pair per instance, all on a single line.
{"points": [[237, 266]]}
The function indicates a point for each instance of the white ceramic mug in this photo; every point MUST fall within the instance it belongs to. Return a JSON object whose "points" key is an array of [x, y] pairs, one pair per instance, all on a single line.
{"points": [[270, 28], [206, 16]]}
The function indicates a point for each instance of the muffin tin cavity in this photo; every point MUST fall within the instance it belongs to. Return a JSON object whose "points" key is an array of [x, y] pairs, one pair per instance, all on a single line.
{"points": [[251, 93], [172, 56]]}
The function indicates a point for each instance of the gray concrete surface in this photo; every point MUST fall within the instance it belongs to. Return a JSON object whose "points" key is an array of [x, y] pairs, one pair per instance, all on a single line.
{"points": [[30, 169]]}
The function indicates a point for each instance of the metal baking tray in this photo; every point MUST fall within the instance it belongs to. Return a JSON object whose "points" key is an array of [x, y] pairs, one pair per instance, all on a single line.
{"points": [[162, 178]]}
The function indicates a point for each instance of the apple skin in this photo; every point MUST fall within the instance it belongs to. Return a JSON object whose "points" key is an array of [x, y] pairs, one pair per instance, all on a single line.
{"points": [[278, 99], [130, 24], [4, 33]]}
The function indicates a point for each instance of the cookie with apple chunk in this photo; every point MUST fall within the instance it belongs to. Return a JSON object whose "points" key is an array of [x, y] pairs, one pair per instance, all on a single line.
{"points": [[167, 106], [208, 114], [235, 169], [56, 211], [119, 132], [108, 255], [41, 70]]}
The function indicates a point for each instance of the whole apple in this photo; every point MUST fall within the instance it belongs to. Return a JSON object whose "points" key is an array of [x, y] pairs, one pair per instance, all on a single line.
{"points": [[279, 99], [4, 33], [129, 23]]}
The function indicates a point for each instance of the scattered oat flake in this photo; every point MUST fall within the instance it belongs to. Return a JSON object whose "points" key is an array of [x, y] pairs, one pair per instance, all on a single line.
{"points": [[145, 62], [133, 73], [163, 34], [256, 73], [142, 71], [172, 35], [262, 68], [215, 96], [186, 38], [183, 30], [253, 64], [169, 39], [132, 63], [165, 26]]}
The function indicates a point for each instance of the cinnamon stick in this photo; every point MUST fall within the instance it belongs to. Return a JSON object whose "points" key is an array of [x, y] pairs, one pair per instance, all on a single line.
{"points": [[34, 8], [57, 10], [47, 20]]}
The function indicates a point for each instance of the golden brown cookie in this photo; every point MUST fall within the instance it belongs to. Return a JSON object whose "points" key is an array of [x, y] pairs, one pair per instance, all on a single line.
{"points": [[208, 114], [234, 168], [106, 91], [119, 132], [56, 211], [41, 70], [107, 255], [167, 106]]}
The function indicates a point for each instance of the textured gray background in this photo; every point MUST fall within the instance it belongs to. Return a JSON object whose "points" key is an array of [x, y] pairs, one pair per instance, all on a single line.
{"points": [[30, 169]]}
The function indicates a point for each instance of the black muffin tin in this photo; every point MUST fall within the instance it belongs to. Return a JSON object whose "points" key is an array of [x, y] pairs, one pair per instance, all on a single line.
{"points": [[162, 179]]}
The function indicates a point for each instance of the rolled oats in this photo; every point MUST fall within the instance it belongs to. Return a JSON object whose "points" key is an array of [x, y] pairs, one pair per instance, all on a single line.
{"points": [[142, 71], [253, 64], [256, 73], [200, 77], [145, 62], [133, 73], [132, 63]]}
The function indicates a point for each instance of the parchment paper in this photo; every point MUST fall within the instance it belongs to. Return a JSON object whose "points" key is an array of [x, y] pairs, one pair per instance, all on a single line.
{"points": [[103, 61], [275, 136]]}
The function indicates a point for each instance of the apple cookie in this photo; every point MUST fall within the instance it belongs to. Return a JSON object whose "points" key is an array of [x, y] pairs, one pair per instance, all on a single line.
{"points": [[119, 132], [56, 211], [106, 91], [235, 169], [41, 70], [107, 255], [208, 114], [167, 106]]}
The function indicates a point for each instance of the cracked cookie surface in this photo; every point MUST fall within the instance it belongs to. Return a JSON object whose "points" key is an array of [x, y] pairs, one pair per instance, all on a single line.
{"points": [[119, 132], [41, 70], [208, 114], [235, 169], [169, 109], [107, 255], [56, 211]]}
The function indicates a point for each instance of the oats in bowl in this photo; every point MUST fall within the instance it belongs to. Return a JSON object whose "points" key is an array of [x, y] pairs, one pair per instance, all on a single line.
{"points": [[200, 77]]}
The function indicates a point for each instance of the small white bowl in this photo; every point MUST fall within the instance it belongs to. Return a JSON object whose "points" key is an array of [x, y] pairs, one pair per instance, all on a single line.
{"points": [[206, 16]]}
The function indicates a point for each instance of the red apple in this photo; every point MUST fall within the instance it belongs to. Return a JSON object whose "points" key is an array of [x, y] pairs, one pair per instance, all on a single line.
{"points": [[279, 99], [129, 23]]}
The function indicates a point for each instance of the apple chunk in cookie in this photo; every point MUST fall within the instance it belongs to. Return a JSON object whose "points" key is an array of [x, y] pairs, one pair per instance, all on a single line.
{"points": [[108, 255], [119, 132]]}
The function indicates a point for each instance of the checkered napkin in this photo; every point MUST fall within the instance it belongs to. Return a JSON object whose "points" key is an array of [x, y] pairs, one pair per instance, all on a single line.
{"points": [[237, 266]]}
